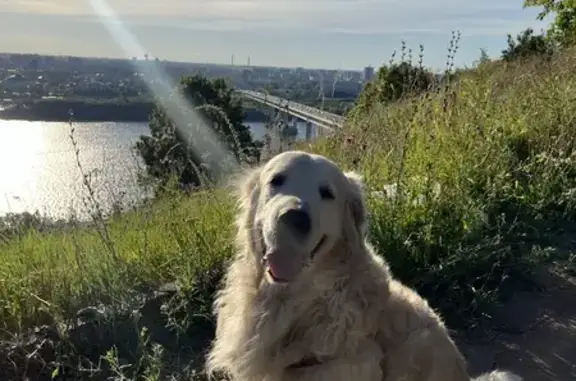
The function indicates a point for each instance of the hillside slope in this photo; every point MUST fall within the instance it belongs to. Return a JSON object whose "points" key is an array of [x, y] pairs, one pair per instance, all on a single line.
{"points": [[486, 174]]}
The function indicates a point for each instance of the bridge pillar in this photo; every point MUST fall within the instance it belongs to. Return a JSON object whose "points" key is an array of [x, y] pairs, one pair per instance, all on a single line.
{"points": [[290, 131], [273, 118], [309, 130]]}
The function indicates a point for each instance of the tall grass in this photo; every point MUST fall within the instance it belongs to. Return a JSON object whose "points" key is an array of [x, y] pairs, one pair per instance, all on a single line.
{"points": [[51, 276], [485, 176], [499, 145]]}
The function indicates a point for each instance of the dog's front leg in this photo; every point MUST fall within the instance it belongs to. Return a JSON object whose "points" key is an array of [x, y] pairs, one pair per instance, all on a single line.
{"points": [[363, 365]]}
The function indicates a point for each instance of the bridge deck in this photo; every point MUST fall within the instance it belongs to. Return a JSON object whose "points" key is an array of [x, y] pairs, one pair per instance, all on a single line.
{"points": [[310, 114]]}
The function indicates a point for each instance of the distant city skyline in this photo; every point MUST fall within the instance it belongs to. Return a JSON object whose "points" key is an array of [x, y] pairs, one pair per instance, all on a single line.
{"points": [[335, 34]]}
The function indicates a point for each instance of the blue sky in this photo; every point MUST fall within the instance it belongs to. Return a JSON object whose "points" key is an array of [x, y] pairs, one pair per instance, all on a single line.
{"points": [[311, 33]]}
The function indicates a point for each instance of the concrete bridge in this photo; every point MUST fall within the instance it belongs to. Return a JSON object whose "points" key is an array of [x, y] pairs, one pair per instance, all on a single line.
{"points": [[318, 122]]}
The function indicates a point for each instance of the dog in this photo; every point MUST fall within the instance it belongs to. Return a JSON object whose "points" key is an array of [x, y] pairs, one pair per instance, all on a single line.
{"points": [[307, 298]]}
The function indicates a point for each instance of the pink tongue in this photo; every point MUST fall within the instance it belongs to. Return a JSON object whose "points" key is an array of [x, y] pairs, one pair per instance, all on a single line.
{"points": [[280, 267], [273, 270]]}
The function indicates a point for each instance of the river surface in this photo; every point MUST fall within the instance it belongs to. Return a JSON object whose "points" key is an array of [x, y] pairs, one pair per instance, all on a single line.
{"points": [[40, 171]]}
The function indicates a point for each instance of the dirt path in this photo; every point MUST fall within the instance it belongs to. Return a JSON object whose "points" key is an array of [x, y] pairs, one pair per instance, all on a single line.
{"points": [[533, 335]]}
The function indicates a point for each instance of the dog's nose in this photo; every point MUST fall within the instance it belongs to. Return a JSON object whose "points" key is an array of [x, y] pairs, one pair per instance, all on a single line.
{"points": [[298, 220]]}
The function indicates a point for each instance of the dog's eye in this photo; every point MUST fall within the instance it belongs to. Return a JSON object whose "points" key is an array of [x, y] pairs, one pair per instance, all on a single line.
{"points": [[326, 193], [277, 180]]}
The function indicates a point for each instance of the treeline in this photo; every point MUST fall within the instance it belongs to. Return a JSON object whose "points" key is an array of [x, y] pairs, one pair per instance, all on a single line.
{"points": [[79, 110], [93, 110]]}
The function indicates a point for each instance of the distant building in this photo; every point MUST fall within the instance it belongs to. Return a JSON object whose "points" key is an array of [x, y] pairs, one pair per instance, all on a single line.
{"points": [[368, 73], [15, 82], [247, 74]]}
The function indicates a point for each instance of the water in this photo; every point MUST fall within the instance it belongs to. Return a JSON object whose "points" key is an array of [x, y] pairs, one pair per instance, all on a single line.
{"points": [[39, 169]]}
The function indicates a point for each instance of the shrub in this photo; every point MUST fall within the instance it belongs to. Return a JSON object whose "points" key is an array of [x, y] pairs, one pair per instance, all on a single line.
{"points": [[527, 45], [395, 82]]}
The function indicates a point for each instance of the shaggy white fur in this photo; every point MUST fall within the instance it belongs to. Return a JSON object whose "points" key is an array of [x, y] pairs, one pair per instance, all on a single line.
{"points": [[306, 298]]}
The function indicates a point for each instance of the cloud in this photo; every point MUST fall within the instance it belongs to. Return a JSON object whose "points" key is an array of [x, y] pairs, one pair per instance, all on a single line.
{"points": [[58, 7], [319, 33], [332, 16]]}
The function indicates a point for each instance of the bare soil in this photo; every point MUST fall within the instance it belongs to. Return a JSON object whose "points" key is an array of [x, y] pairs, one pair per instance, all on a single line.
{"points": [[532, 335]]}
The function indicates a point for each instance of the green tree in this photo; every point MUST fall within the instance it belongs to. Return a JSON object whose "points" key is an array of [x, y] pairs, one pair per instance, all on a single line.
{"points": [[563, 29], [170, 152], [527, 45]]}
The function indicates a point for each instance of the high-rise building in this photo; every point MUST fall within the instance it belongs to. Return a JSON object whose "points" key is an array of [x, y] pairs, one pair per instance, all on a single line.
{"points": [[368, 73]]}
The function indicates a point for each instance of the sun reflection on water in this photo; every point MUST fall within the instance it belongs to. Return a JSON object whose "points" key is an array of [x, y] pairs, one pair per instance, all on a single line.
{"points": [[22, 158], [39, 171]]}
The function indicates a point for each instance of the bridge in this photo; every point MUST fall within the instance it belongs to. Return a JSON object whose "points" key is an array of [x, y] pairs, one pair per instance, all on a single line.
{"points": [[325, 122]]}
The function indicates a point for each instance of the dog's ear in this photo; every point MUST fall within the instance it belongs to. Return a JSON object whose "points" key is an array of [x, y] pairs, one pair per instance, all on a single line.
{"points": [[246, 184], [356, 200]]}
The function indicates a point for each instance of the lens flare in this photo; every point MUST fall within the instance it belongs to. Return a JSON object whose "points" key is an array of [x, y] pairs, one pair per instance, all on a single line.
{"points": [[201, 138]]}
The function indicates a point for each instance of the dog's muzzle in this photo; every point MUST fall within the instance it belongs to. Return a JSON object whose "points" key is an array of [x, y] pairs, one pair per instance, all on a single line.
{"points": [[287, 241]]}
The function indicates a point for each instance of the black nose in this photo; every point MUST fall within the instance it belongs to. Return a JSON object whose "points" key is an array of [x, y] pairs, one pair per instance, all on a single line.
{"points": [[298, 220]]}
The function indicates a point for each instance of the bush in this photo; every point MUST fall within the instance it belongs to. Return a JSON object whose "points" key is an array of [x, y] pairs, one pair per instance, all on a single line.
{"points": [[405, 80], [17, 224], [395, 82], [527, 45]]}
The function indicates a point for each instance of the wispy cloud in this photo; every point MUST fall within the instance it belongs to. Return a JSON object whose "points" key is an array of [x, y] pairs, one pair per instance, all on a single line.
{"points": [[330, 33], [332, 16]]}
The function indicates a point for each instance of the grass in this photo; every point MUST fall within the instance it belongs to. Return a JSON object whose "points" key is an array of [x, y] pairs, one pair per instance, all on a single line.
{"points": [[502, 153], [51, 276]]}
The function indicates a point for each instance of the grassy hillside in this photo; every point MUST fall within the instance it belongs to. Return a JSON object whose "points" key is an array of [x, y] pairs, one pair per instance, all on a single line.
{"points": [[499, 144]]}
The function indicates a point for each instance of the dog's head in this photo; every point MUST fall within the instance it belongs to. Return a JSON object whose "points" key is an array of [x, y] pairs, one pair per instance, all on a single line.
{"points": [[299, 206]]}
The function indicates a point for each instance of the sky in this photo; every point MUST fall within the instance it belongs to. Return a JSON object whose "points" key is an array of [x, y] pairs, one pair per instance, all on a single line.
{"points": [[337, 34]]}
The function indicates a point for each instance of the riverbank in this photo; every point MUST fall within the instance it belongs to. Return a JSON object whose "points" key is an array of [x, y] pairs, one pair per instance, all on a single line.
{"points": [[90, 110], [503, 153]]}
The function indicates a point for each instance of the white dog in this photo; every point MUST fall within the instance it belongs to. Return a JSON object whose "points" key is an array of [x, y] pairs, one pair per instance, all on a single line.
{"points": [[306, 298]]}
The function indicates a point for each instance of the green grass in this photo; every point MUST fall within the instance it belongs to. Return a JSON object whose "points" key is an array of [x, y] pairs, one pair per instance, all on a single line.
{"points": [[50, 276], [500, 143], [502, 152]]}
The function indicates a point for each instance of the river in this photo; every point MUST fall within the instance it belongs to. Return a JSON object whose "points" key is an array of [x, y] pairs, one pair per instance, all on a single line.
{"points": [[39, 169]]}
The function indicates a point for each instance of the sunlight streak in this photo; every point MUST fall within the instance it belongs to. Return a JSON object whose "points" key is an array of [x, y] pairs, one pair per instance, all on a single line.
{"points": [[201, 137], [22, 148]]}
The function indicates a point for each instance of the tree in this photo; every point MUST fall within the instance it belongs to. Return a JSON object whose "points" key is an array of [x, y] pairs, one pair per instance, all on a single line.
{"points": [[527, 45], [563, 29], [167, 152]]}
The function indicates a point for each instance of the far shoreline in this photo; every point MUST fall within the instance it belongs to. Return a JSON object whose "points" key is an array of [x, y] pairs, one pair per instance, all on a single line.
{"points": [[58, 110]]}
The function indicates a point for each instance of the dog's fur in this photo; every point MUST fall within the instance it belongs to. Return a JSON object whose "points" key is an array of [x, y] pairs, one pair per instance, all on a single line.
{"points": [[342, 317]]}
